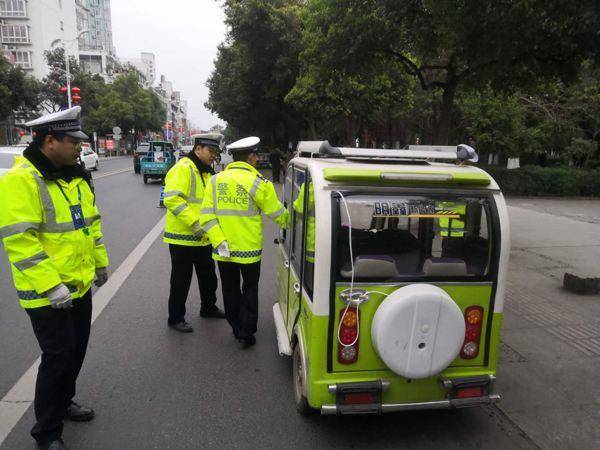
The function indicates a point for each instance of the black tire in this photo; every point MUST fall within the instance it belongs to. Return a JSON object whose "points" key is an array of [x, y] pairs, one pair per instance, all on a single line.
{"points": [[145, 179], [298, 382]]}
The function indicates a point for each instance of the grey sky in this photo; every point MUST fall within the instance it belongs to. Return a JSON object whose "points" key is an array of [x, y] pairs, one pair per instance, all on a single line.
{"points": [[183, 34]]}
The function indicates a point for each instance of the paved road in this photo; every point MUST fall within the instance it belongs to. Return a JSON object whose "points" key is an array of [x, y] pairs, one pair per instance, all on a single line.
{"points": [[153, 388]]}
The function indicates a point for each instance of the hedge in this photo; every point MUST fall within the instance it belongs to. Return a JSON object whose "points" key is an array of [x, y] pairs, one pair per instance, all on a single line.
{"points": [[547, 181]]}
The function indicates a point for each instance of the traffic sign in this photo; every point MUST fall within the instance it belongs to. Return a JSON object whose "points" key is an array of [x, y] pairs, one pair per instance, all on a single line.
{"points": [[117, 130]]}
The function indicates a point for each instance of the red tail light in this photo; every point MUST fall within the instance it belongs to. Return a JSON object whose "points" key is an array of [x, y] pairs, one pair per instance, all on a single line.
{"points": [[473, 325], [348, 335], [469, 392]]}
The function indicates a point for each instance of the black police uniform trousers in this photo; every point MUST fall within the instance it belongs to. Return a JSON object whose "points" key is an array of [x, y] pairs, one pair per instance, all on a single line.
{"points": [[63, 336], [184, 259], [241, 306]]}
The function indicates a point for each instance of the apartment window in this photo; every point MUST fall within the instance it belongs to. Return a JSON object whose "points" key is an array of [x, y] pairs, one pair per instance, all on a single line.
{"points": [[13, 8], [22, 59], [15, 34]]}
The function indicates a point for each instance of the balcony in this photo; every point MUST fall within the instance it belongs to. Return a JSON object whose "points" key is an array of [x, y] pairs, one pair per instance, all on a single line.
{"points": [[14, 34]]}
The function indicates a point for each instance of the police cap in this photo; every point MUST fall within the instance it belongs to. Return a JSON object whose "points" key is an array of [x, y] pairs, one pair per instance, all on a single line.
{"points": [[214, 140], [65, 122], [243, 145]]}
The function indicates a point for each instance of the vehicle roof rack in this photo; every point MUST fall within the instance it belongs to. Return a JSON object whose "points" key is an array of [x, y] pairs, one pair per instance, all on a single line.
{"points": [[323, 149]]}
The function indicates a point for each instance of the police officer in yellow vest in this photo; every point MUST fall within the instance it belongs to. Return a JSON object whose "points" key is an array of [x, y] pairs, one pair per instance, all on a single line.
{"points": [[189, 246], [51, 230], [231, 215]]}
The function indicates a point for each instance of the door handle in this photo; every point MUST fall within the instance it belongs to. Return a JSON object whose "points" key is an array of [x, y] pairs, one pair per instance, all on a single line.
{"points": [[286, 264], [296, 288]]}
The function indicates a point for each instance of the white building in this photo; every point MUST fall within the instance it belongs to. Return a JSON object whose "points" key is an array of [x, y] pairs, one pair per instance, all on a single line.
{"points": [[96, 50], [146, 65], [28, 28], [176, 109]]}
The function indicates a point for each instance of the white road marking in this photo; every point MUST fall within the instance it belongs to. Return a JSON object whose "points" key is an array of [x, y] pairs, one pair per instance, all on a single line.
{"points": [[20, 397], [108, 174]]}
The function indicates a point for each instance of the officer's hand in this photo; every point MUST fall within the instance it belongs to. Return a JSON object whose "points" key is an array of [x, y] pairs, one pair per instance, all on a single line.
{"points": [[60, 297], [223, 250], [101, 276]]}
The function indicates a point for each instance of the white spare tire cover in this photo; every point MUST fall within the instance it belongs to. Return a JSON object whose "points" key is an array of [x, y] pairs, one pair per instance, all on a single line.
{"points": [[418, 330]]}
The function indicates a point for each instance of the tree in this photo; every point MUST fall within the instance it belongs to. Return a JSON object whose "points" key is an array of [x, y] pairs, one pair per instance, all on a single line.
{"points": [[18, 91], [256, 67], [449, 45]]}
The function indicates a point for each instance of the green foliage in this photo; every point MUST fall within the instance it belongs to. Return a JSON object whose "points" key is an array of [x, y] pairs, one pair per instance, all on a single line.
{"points": [[18, 91], [123, 103], [256, 67], [547, 181]]}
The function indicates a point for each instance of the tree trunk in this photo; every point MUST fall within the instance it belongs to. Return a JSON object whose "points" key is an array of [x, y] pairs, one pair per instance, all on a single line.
{"points": [[445, 120]]}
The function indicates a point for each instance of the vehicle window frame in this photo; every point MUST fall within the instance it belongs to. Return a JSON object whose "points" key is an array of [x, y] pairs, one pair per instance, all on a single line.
{"points": [[297, 261], [309, 289], [287, 197], [493, 231]]}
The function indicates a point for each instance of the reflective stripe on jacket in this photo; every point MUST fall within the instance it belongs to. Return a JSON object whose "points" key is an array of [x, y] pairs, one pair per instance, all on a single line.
{"points": [[450, 226], [184, 190], [43, 246], [231, 211]]}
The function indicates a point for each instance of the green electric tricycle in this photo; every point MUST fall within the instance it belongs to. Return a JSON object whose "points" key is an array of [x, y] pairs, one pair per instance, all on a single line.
{"points": [[391, 279]]}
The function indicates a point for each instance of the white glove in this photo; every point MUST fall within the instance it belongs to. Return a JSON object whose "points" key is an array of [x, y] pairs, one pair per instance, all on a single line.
{"points": [[101, 276], [223, 250], [60, 297]]}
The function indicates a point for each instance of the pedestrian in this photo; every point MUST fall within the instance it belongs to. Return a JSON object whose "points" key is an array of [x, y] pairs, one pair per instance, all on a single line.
{"points": [[189, 246], [231, 215], [52, 233], [275, 160]]}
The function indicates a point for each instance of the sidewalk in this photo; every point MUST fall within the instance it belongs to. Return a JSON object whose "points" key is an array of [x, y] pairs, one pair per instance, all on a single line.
{"points": [[550, 352]]}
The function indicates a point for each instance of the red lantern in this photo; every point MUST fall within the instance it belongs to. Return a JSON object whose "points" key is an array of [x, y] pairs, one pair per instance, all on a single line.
{"points": [[75, 90], [76, 98], [63, 89]]}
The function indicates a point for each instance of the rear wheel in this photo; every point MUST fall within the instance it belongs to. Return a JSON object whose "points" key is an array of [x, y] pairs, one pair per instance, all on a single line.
{"points": [[299, 382]]}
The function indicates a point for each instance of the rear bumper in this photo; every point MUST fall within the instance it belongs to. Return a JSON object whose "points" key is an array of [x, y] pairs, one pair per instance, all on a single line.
{"points": [[442, 404], [453, 400]]}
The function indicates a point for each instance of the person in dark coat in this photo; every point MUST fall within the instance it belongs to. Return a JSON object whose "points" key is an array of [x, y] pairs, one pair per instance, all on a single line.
{"points": [[275, 160]]}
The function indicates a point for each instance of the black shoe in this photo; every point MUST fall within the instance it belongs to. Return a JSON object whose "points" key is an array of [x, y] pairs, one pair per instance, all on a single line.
{"points": [[53, 445], [213, 313], [247, 342], [182, 327], [79, 413]]}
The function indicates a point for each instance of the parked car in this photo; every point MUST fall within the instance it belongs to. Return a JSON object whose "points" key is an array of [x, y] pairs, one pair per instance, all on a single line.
{"points": [[391, 278], [88, 157], [7, 157], [185, 150]]}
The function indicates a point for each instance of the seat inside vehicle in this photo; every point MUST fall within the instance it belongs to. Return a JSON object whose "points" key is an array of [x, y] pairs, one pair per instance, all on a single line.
{"points": [[372, 266], [444, 267]]}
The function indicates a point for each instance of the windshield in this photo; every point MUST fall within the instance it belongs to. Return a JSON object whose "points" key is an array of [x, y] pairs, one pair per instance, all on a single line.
{"points": [[395, 237]]}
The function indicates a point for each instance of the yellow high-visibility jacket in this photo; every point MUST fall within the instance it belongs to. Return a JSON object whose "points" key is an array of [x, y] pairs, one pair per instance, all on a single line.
{"points": [[231, 211], [43, 246], [184, 190]]}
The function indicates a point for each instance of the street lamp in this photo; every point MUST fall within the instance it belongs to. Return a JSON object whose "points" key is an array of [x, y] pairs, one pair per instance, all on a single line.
{"points": [[55, 42]]}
